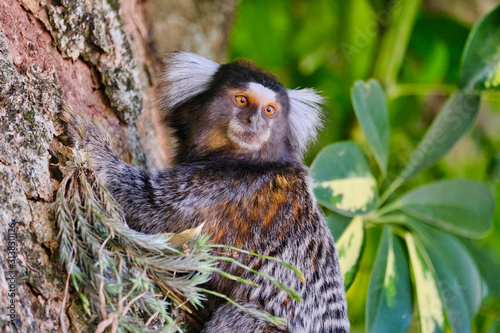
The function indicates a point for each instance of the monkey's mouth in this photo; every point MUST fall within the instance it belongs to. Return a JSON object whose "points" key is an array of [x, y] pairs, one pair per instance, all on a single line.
{"points": [[246, 138], [250, 137]]}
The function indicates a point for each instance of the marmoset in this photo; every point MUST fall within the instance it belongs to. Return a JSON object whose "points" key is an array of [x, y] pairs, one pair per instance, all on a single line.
{"points": [[239, 140]]}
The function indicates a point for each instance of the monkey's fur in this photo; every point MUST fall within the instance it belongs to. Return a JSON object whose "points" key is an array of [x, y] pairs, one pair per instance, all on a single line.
{"points": [[239, 171]]}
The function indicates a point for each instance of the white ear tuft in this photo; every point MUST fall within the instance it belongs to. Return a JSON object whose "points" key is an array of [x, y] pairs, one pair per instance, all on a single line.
{"points": [[305, 117], [186, 75]]}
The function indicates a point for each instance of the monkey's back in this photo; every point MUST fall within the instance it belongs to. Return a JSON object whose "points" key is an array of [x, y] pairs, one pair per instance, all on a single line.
{"points": [[269, 209], [265, 208]]}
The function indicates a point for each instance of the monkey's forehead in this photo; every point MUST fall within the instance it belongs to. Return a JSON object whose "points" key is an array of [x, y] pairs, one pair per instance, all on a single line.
{"points": [[256, 93]]}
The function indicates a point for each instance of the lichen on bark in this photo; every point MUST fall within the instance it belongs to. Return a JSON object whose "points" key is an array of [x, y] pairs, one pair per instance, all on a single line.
{"points": [[94, 31], [29, 102]]}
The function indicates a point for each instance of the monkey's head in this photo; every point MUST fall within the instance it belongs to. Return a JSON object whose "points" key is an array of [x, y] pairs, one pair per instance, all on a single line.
{"points": [[236, 110]]}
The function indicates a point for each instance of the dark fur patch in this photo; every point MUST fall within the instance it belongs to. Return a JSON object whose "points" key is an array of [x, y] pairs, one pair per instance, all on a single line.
{"points": [[241, 72]]}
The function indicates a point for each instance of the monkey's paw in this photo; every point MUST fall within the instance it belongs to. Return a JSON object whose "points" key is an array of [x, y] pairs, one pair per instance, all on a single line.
{"points": [[81, 129], [86, 135]]}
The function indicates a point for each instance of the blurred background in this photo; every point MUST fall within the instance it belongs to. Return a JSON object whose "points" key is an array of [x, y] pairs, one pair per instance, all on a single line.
{"points": [[415, 53]]}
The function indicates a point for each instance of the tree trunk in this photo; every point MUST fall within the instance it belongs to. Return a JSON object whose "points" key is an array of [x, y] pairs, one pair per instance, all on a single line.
{"points": [[98, 56]]}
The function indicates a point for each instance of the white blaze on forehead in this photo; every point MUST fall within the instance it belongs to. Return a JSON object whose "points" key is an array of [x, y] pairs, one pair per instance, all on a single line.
{"points": [[262, 94]]}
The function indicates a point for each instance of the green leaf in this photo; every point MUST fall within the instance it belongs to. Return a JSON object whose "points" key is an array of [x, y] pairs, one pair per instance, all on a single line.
{"points": [[342, 179], [370, 107], [458, 278], [460, 206], [454, 120], [481, 56], [86, 303], [350, 244], [429, 305], [487, 261], [337, 224], [389, 304], [495, 327]]}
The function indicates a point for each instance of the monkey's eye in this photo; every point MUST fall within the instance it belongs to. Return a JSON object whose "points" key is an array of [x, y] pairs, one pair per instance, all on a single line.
{"points": [[271, 111], [240, 100]]}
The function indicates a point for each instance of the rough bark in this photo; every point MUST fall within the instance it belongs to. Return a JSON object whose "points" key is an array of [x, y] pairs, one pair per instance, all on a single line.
{"points": [[99, 57]]}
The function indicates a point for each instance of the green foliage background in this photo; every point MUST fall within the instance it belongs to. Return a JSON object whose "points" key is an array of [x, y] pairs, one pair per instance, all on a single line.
{"points": [[415, 53]]}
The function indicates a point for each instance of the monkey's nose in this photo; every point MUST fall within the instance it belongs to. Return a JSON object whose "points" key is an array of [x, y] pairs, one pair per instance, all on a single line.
{"points": [[250, 118]]}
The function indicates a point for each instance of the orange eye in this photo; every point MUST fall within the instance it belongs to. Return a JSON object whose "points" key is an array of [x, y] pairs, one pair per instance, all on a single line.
{"points": [[241, 100], [271, 111]]}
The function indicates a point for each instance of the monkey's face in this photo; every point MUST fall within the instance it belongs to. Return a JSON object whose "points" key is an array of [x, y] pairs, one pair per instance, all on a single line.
{"points": [[236, 110], [254, 111], [247, 120]]}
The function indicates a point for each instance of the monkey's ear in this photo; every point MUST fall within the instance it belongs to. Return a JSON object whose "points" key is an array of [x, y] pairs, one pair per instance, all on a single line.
{"points": [[186, 75], [305, 117]]}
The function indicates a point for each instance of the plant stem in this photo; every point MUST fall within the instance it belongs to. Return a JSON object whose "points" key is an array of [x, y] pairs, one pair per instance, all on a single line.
{"points": [[397, 219], [387, 209], [393, 187], [395, 41]]}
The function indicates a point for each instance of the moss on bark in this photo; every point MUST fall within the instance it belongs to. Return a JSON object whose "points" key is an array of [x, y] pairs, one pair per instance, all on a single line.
{"points": [[94, 31]]}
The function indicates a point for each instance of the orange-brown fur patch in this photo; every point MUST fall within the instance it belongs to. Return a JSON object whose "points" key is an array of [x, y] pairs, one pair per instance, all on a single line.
{"points": [[281, 181], [295, 210], [262, 208], [216, 139]]}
